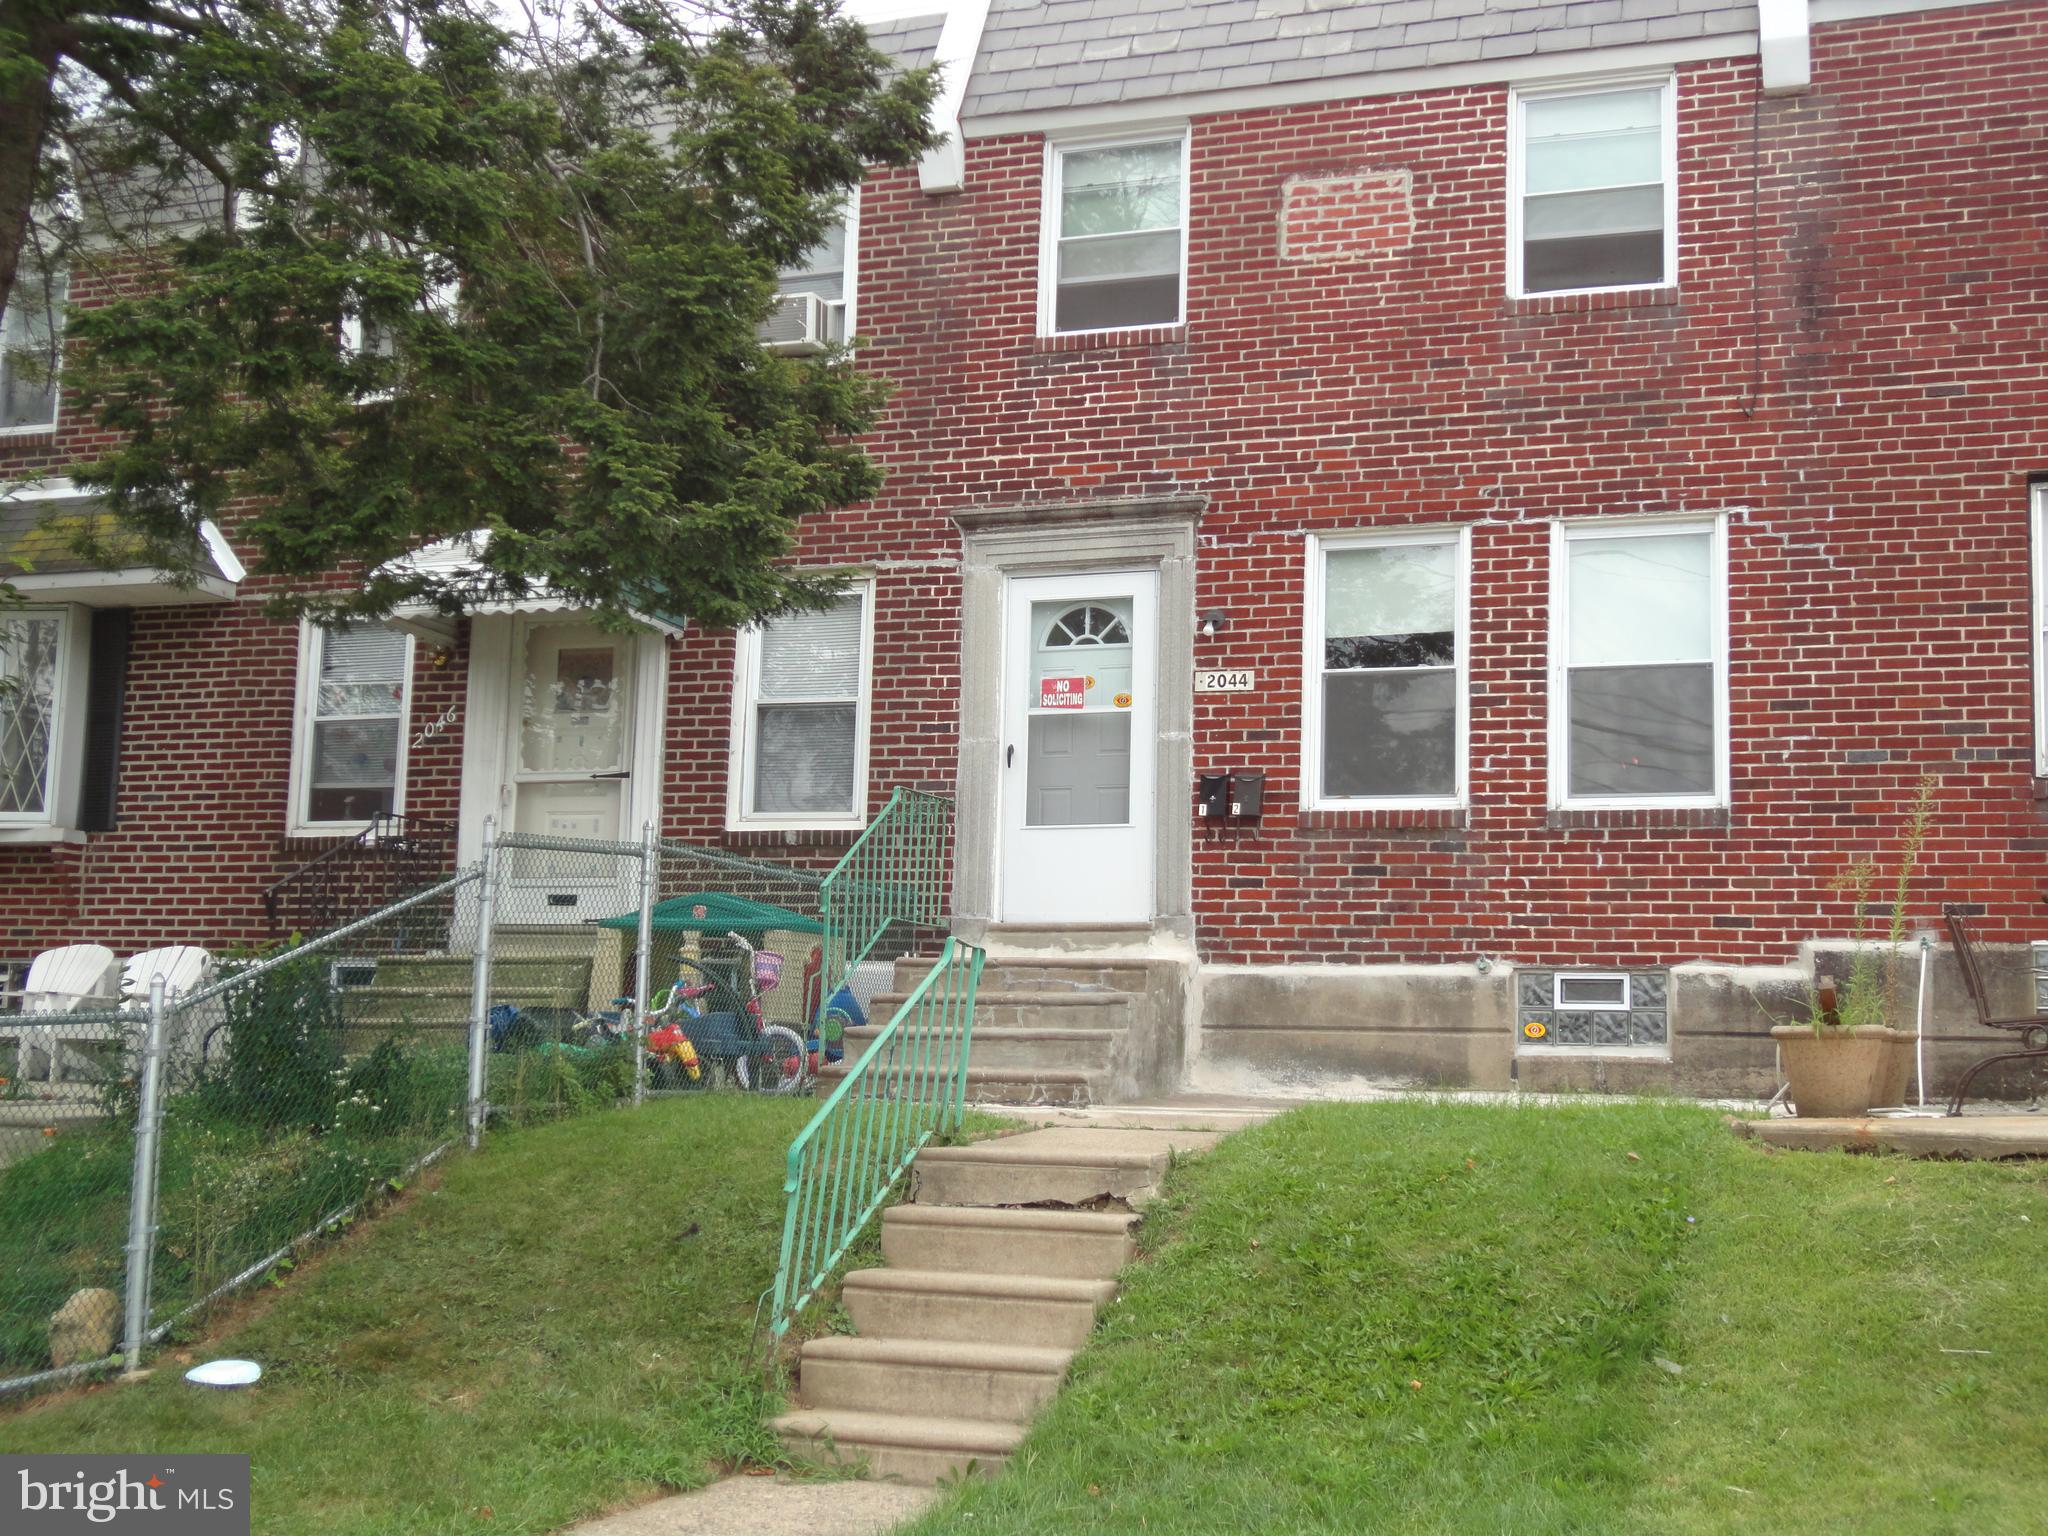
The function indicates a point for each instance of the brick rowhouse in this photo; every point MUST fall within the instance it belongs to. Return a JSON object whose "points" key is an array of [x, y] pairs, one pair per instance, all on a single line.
{"points": [[1849, 367]]}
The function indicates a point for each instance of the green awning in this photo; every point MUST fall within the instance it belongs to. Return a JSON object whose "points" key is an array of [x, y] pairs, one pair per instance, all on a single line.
{"points": [[716, 912]]}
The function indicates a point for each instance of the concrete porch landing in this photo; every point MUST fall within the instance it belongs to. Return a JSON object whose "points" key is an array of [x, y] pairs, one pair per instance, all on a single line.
{"points": [[1978, 1136]]}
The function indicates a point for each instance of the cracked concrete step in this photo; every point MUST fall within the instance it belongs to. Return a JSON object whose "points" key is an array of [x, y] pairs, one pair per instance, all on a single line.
{"points": [[1075, 1245], [1007, 1383], [1065, 1166], [915, 1448], [956, 1304]]}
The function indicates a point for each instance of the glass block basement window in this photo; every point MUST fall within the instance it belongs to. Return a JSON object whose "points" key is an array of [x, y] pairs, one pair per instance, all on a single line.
{"points": [[1598, 1010]]}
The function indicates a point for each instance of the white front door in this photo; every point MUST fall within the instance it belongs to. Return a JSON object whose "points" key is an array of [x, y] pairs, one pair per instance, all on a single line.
{"points": [[1080, 714], [572, 732]]}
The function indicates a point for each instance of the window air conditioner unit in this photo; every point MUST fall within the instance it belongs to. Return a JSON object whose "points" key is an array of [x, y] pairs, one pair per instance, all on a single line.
{"points": [[797, 326]]}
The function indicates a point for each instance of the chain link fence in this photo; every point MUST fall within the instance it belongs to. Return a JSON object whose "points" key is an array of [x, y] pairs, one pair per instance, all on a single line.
{"points": [[163, 1150], [157, 1154]]}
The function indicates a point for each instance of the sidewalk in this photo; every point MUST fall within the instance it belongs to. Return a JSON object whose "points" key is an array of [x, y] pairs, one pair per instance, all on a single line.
{"points": [[769, 1506]]}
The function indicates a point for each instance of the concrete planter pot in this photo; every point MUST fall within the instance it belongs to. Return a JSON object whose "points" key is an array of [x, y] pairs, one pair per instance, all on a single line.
{"points": [[1898, 1070], [1841, 1073]]}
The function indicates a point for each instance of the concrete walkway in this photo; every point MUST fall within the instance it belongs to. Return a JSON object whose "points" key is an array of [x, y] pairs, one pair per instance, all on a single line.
{"points": [[769, 1506], [1968, 1135]]}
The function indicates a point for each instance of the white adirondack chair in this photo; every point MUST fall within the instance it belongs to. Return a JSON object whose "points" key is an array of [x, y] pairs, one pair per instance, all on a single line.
{"points": [[62, 980], [185, 968]]}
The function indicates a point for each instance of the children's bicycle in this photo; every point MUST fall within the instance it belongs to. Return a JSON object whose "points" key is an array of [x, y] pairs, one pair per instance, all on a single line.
{"points": [[705, 1029]]}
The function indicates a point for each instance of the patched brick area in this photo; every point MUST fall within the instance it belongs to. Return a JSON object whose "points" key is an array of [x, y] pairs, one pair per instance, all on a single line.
{"points": [[1849, 366], [1325, 219]]}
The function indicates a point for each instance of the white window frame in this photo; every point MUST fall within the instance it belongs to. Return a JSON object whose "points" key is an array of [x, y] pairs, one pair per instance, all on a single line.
{"points": [[43, 428], [849, 306], [739, 775], [297, 822], [1557, 985], [64, 772], [1518, 97], [1056, 151], [349, 335], [1562, 532], [1319, 546], [2038, 563]]}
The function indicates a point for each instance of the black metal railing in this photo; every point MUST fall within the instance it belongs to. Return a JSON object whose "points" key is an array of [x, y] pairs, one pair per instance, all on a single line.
{"points": [[389, 859]]}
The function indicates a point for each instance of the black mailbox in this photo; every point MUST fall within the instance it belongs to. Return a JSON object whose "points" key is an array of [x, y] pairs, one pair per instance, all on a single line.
{"points": [[1247, 793], [1215, 793]]}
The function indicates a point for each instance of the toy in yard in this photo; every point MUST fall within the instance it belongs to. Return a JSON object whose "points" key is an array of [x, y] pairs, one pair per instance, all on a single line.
{"points": [[516, 1028], [841, 1013], [828, 1021], [716, 998], [700, 1045], [672, 1061]]}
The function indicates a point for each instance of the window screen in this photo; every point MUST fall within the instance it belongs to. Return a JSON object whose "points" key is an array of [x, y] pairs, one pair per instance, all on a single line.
{"points": [[1593, 194], [826, 270], [1120, 214], [1640, 673], [1389, 684], [358, 711], [806, 712], [31, 333], [30, 654]]}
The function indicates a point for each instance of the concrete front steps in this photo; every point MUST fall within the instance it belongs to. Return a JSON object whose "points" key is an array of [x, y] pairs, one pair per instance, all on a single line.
{"points": [[994, 1275], [434, 991], [1052, 1029]]}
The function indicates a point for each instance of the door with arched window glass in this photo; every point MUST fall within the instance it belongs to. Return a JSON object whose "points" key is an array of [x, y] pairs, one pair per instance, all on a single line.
{"points": [[1080, 713]]}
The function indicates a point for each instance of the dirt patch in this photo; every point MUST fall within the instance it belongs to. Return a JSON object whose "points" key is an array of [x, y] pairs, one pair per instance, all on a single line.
{"points": [[237, 1311]]}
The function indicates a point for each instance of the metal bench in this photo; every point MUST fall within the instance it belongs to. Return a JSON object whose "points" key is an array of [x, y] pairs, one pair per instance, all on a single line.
{"points": [[2031, 1028]]}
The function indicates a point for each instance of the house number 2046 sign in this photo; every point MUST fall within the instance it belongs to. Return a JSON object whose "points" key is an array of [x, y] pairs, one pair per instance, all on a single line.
{"points": [[1241, 680]]}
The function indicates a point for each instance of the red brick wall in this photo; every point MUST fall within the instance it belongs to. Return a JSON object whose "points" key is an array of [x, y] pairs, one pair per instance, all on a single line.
{"points": [[205, 759], [1851, 366]]}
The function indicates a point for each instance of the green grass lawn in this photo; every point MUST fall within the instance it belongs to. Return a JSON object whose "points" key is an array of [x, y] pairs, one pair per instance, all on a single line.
{"points": [[560, 1324], [1439, 1318]]}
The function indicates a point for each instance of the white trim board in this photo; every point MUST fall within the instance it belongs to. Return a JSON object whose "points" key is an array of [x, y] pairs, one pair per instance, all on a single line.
{"points": [[943, 167], [2037, 648], [133, 588], [1869, 10]]}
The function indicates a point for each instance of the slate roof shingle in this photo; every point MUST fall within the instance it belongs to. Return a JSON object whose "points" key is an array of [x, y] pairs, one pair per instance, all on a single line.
{"points": [[1042, 54]]}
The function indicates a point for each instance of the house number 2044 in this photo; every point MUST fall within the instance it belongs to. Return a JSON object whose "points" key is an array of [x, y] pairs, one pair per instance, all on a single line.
{"points": [[1241, 680]]}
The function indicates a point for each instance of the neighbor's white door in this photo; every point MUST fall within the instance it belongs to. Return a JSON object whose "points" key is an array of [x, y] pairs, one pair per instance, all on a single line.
{"points": [[1080, 713], [569, 749]]}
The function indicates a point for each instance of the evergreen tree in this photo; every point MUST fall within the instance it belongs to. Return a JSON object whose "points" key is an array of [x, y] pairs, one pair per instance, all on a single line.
{"points": [[446, 273]]}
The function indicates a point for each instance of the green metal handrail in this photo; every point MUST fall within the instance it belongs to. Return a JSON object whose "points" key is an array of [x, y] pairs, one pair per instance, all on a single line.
{"points": [[908, 1086], [895, 873]]}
